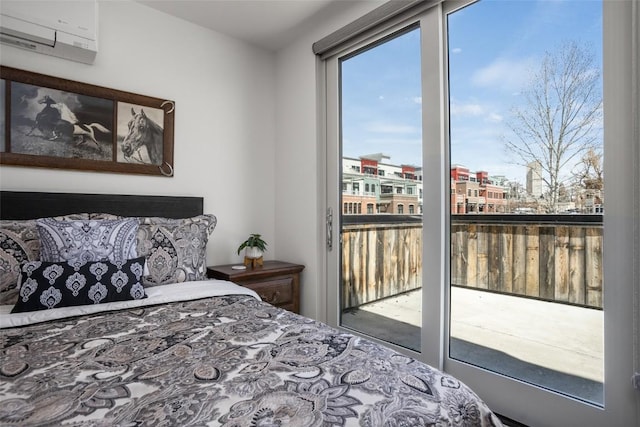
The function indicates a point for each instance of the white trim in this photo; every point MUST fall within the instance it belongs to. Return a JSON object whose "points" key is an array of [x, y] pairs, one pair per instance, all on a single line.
{"points": [[635, 82], [434, 161], [321, 117], [339, 39]]}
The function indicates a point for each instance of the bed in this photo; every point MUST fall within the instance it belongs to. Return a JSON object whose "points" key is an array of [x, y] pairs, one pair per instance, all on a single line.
{"points": [[188, 351]]}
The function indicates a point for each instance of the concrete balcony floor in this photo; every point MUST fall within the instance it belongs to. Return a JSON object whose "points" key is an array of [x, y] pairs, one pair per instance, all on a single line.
{"points": [[555, 346]]}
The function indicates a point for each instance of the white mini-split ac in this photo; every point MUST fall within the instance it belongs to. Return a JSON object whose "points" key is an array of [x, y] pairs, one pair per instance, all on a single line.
{"points": [[67, 29]]}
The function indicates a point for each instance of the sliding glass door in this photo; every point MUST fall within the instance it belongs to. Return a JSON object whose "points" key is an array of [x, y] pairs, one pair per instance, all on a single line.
{"points": [[509, 271], [381, 190], [527, 192]]}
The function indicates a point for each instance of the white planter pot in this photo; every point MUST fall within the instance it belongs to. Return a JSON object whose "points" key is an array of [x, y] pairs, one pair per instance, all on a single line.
{"points": [[252, 252]]}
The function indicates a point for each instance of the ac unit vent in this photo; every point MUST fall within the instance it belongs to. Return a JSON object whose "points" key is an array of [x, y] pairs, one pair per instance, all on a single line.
{"points": [[67, 29]]}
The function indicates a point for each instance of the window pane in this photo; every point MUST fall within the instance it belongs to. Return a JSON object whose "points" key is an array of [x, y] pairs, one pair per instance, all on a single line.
{"points": [[525, 101], [382, 149]]}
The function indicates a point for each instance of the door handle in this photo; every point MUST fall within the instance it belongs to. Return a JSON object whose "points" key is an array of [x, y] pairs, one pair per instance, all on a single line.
{"points": [[329, 229]]}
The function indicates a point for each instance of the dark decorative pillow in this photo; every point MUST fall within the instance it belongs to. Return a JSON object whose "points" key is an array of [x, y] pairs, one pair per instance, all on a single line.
{"points": [[46, 285], [78, 242], [175, 249], [19, 243]]}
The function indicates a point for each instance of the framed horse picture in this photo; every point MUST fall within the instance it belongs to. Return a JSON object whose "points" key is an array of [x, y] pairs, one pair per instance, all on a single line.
{"points": [[50, 122]]}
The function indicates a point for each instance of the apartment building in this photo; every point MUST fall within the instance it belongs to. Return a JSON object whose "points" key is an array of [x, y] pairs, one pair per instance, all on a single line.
{"points": [[476, 192], [372, 185]]}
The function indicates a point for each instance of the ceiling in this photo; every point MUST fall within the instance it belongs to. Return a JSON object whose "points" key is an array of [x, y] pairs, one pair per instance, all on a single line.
{"points": [[270, 24]]}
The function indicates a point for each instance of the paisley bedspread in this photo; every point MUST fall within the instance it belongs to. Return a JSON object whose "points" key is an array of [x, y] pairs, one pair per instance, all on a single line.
{"points": [[226, 360]]}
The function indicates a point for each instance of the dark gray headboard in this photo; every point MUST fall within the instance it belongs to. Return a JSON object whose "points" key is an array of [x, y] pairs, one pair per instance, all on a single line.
{"points": [[28, 205]]}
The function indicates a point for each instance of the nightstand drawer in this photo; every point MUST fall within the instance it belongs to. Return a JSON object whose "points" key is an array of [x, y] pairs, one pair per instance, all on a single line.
{"points": [[276, 282], [276, 291]]}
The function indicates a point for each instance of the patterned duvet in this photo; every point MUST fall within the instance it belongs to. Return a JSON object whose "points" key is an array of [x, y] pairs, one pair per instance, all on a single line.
{"points": [[226, 360]]}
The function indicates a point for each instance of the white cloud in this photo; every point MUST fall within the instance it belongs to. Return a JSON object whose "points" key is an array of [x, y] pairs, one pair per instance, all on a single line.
{"points": [[381, 97], [417, 100], [468, 109], [504, 73], [456, 50], [495, 118]]}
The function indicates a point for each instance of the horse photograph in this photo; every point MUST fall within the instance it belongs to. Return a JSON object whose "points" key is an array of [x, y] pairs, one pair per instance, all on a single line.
{"points": [[140, 134], [50, 122]]}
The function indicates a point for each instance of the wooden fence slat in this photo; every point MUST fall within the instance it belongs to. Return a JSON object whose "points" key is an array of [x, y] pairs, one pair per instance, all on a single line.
{"points": [[519, 264], [371, 257], [547, 264], [506, 259], [464, 254], [380, 259], [532, 281], [560, 282], [577, 284], [456, 255], [472, 255], [494, 254], [483, 261], [593, 264]]}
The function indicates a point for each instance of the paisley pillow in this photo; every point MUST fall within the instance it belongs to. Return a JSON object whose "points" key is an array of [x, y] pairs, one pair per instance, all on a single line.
{"points": [[175, 249], [46, 285], [79, 242], [19, 243]]}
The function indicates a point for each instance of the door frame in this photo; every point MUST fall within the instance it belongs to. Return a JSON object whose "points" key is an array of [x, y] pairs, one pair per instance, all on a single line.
{"points": [[524, 402]]}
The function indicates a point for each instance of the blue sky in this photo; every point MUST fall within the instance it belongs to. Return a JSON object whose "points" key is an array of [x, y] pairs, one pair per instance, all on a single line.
{"points": [[494, 46]]}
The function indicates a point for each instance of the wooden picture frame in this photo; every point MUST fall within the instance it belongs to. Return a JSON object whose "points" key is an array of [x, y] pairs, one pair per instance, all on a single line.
{"points": [[51, 122]]}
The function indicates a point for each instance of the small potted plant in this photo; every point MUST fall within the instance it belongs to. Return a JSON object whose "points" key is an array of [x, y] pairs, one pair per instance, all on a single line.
{"points": [[254, 247]]}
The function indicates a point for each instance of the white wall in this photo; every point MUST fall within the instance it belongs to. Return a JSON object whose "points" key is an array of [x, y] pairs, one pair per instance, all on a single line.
{"points": [[299, 211], [224, 92]]}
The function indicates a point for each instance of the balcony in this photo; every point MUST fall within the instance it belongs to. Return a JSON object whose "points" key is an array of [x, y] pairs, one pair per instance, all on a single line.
{"points": [[526, 292]]}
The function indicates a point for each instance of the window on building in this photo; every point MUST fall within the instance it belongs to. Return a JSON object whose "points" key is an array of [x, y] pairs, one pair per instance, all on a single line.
{"points": [[400, 209], [411, 210], [369, 170], [369, 208]]}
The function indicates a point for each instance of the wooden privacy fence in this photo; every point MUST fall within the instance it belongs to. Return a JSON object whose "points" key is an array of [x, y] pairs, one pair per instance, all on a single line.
{"points": [[380, 258], [551, 257]]}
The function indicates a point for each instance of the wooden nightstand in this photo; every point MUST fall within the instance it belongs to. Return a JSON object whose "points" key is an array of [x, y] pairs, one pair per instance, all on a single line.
{"points": [[276, 282]]}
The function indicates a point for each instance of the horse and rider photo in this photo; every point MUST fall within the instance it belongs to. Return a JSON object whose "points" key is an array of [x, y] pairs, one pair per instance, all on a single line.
{"points": [[47, 121], [140, 134], [50, 122]]}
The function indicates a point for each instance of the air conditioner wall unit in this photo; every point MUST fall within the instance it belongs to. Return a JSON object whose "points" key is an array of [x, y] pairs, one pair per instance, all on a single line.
{"points": [[66, 29]]}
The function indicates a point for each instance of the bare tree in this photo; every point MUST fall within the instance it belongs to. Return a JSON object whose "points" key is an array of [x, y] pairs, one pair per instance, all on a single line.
{"points": [[590, 174], [560, 117], [589, 180]]}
